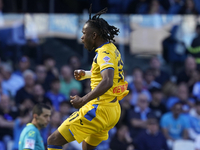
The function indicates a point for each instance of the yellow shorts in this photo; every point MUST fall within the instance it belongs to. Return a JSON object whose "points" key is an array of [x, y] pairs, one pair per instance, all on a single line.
{"points": [[91, 123]]}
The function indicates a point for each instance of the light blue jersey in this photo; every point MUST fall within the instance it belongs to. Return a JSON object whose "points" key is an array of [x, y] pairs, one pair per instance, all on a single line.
{"points": [[30, 139], [174, 126]]}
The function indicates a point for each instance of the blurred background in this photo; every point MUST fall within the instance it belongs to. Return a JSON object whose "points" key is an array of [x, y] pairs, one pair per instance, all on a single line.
{"points": [[159, 42]]}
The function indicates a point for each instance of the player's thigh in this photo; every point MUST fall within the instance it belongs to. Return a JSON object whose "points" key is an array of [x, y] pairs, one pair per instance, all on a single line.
{"points": [[90, 120], [61, 136], [97, 138], [82, 123], [86, 146], [56, 139], [109, 120]]}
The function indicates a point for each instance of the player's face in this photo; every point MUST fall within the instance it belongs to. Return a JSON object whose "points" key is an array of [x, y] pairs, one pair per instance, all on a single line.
{"points": [[88, 37], [44, 118]]}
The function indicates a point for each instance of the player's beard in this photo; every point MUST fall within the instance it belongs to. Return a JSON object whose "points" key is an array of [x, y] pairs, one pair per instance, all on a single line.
{"points": [[89, 48], [89, 45], [42, 125]]}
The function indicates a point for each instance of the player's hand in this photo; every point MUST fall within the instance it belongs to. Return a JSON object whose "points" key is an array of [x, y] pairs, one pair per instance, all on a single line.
{"points": [[77, 101], [78, 74]]}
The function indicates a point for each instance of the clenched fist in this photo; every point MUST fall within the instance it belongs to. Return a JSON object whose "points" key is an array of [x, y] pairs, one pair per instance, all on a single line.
{"points": [[79, 74]]}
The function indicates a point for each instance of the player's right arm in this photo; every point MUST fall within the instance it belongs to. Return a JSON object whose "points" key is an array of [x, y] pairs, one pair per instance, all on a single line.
{"points": [[105, 84], [82, 74], [30, 140]]}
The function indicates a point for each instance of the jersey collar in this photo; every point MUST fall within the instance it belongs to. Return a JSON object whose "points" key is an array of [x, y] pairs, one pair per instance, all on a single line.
{"points": [[100, 46], [28, 124]]}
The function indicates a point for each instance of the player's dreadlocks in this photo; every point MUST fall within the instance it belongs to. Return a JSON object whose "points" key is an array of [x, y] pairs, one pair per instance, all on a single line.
{"points": [[106, 31]]}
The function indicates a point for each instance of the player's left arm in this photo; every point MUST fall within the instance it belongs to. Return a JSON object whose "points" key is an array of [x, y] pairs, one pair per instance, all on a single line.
{"points": [[105, 84]]}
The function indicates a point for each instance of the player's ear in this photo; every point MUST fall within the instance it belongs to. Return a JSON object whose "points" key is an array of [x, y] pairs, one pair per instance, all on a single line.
{"points": [[94, 35], [35, 116]]}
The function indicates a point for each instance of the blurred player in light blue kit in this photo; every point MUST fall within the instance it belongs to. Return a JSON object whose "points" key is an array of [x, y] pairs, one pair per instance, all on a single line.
{"points": [[30, 138]]}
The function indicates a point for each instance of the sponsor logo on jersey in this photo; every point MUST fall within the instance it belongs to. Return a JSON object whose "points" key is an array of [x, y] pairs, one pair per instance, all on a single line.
{"points": [[120, 89], [29, 144], [106, 58]]}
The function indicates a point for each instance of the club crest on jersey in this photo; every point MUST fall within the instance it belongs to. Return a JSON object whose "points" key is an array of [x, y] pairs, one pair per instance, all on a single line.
{"points": [[106, 52], [106, 58]]}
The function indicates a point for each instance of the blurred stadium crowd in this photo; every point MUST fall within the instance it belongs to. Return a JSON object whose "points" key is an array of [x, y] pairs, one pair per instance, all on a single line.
{"points": [[162, 106], [159, 108], [114, 6]]}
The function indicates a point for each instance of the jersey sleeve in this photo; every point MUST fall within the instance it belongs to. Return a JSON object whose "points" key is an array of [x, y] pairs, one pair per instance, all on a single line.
{"points": [[105, 60], [30, 140]]}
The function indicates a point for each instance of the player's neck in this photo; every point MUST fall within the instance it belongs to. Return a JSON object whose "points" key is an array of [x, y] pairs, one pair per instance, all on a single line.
{"points": [[100, 43], [35, 124]]}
